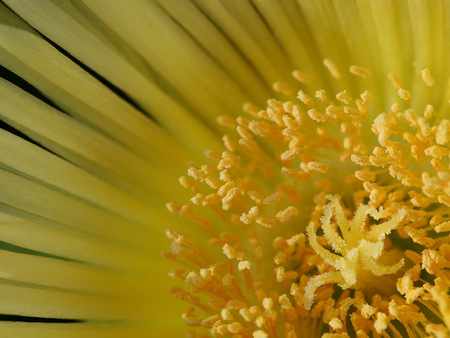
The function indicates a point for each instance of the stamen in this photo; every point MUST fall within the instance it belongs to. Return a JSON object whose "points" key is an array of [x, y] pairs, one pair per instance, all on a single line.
{"points": [[429, 110], [305, 99], [283, 88], [404, 94], [301, 77], [332, 68], [343, 96], [395, 80], [360, 71], [427, 78]]}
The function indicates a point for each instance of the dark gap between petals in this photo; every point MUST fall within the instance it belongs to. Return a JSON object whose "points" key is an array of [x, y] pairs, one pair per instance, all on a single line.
{"points": [[16, 318]]}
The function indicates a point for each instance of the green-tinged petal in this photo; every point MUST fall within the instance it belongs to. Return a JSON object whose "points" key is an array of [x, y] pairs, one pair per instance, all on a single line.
{"points": [[74, 89], [160, 328]]}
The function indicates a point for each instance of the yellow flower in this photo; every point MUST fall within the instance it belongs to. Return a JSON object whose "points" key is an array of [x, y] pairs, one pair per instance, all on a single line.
{"points": [[321, 209]]}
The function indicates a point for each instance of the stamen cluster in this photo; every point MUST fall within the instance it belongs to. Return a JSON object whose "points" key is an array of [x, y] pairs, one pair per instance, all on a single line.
{"points": [[274, 187]]}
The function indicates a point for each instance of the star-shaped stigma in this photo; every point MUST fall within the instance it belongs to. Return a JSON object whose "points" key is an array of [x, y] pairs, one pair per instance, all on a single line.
{"points": [[359, 248]]}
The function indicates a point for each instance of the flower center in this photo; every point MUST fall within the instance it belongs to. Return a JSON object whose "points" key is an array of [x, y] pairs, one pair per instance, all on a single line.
{"points": [[359, 249]]}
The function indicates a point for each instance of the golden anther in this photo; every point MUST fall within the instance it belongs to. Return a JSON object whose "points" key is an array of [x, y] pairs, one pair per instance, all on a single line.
{"points": [[301, 77], [344, 97], [321, 96], [306, 99], [395, 80], [367, 96], [427, 78], [281, 87], [332, 68], [360, 71], [404, 94], [227, 121]]}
